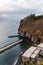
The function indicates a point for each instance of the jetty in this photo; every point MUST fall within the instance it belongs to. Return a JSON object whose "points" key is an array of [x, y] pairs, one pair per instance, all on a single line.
{"points": [[6, 47], [13, 36]]}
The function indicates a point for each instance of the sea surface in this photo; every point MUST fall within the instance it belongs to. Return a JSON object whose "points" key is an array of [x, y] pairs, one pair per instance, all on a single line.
{"points": [[9, 24]]}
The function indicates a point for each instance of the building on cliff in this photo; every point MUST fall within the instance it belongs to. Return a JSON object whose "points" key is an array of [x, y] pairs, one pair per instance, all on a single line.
{"points": [[32, 26]]}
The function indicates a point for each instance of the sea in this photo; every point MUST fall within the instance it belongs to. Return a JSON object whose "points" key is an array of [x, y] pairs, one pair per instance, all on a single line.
{"points": [[9, 24]]}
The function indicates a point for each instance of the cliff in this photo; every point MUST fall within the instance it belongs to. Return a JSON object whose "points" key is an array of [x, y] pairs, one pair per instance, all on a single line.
{"points": [[32, 26]]}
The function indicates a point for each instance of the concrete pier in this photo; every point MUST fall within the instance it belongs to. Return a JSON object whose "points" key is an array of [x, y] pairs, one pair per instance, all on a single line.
{"points": [[12, 36], [9, 46]]}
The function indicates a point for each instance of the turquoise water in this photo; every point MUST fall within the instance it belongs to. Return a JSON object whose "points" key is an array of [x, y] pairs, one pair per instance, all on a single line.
{"points": [[9, 26]]}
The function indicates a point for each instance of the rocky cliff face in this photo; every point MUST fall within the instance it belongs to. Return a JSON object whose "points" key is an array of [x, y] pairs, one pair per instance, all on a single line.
{"points": [[32, 26]]}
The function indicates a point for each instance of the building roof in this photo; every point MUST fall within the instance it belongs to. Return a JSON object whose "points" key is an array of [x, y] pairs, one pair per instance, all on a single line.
{"points": [[29, 52], [35, 53], [40, 46]]}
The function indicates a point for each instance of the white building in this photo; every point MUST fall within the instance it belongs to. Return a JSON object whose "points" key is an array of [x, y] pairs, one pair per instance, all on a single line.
{"points": [[26, 56], [40, 46], [33, 56]]}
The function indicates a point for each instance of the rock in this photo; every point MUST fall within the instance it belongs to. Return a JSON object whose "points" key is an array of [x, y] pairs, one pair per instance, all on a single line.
{"points": [[32, 26]]}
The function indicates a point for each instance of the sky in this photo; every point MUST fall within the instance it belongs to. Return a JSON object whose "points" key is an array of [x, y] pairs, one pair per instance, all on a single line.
{"points": [[21, 6], [12, 11]]}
